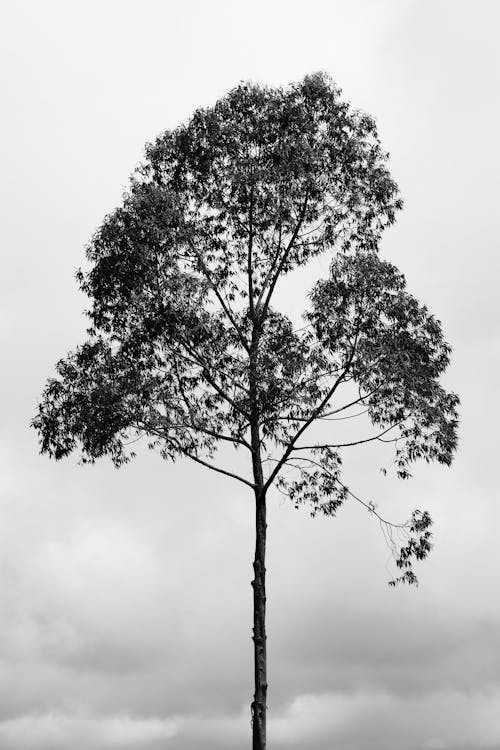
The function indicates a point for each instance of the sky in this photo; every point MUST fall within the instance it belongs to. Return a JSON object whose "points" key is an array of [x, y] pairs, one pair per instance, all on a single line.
{"points": [[125, 612]]}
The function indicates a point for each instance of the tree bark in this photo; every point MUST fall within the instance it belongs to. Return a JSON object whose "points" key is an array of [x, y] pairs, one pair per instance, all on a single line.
{"points": [[259, 706]]}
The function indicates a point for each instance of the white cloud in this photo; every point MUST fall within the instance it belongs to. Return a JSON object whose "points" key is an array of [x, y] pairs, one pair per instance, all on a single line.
{"points": [[327, 720]]}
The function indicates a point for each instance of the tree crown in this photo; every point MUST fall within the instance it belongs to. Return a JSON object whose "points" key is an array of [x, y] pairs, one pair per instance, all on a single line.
{"points": [[185, 346]]}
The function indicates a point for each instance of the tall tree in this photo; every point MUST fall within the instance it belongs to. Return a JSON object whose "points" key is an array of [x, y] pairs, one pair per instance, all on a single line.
{"points": [[186, 348]]}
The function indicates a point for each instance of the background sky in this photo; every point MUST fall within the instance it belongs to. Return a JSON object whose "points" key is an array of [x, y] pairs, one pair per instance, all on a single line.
{"points": [[125, 606]]}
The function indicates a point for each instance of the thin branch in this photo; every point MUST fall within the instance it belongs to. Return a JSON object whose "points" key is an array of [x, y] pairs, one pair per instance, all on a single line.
{"points": [[347, 445], [298, 386], [339, 419], [270, 270], [328, 419], [135, 440], [213, 433], [193, 457], [190, 409], [282, 261], [314, 414], [222, 302], [361, 399], [216, 468], [369, 506], [250, 258], [200, 362], [206, 375]]}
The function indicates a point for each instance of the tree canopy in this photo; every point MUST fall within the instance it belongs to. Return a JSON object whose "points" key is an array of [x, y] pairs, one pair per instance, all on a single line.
{"points": [[182, 275]]}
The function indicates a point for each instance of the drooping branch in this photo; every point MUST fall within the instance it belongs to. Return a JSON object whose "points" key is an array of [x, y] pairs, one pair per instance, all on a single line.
{"points": [[414, 533]]}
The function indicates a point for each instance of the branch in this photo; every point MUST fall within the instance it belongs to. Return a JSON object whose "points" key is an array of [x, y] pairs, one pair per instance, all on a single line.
{"points": [[324, 419], [281, 263], [249, 258], [327, 415], [340, 419], [313, 415], [215, 468], [287, 400], [193, 457], [206, 375], [223, 304], [200, 362], [369, 506], [347, 445], [193, 426], [213, 433], [352, 403]]}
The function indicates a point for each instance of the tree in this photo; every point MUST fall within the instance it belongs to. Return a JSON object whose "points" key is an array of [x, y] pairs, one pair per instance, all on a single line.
{"points": [[186, 349]]}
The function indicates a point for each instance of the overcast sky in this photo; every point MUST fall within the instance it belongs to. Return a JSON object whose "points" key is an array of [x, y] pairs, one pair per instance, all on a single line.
{"points": [[125, 605]]}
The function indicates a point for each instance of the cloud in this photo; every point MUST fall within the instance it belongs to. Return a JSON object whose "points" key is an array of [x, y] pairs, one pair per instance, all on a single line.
{"points": [[404, 654], [434, 743], [53, 731], [365, 720]]}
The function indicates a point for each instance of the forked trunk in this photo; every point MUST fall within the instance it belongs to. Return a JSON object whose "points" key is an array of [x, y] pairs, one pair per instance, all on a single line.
{"points": [[259, 626]]}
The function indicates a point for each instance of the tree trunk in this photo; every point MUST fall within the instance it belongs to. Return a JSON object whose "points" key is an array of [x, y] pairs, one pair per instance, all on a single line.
{"points": [[259, 707]]}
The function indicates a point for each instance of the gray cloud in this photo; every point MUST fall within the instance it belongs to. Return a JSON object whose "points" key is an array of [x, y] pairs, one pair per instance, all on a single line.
{"points": [[438, 721]]}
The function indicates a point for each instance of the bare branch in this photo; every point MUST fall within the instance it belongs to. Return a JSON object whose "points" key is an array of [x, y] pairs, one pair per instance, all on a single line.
{"points": [[198, 460], [347, 445], [216, 468]]}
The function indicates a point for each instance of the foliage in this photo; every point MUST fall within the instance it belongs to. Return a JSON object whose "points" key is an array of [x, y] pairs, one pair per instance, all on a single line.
{"points": [[185, 346]]}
